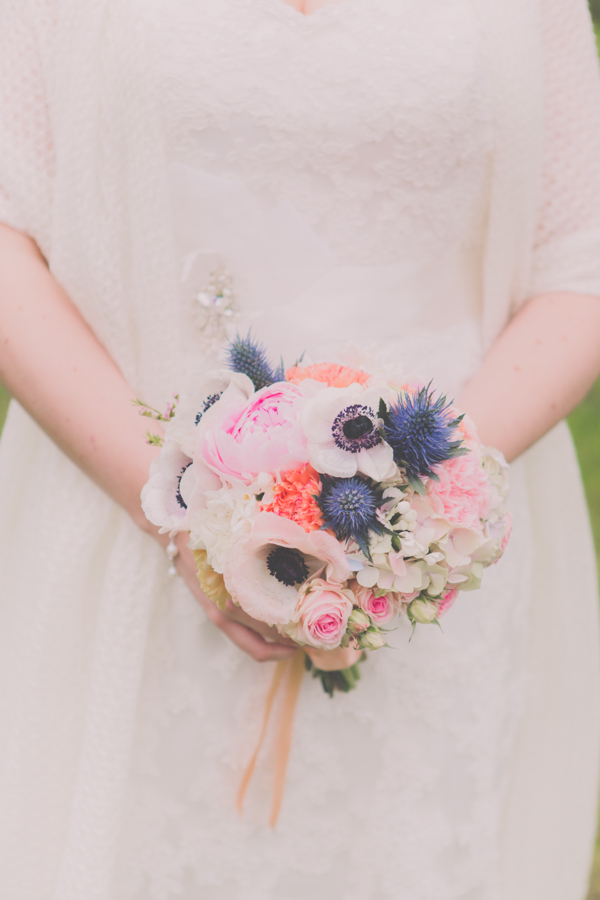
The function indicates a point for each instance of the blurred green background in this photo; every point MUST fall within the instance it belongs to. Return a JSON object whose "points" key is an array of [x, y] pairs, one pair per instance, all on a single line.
{"points": [[585, 426]]}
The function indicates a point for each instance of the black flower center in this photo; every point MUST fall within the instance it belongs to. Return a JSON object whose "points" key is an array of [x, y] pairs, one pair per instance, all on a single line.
{"points": [[287, 566], [355, 428], [178, 496], [210, 401]]}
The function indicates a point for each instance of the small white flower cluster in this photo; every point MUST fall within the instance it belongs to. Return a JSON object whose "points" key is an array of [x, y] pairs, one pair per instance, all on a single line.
{"points": [[228, 515]]}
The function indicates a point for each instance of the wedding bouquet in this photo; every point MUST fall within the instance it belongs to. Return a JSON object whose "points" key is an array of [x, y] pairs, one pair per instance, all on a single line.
{"points": [[326, 500]]}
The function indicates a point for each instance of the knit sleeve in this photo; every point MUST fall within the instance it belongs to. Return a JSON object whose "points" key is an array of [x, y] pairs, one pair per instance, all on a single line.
{"points": [[567, 248], [26, 152]]}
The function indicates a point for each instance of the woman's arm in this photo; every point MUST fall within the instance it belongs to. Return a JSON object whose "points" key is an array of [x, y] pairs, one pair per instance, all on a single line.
{"points": [[541, 366], [53, 364]]}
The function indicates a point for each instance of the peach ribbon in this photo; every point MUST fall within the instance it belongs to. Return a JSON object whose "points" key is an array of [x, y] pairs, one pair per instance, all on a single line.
{"points": [[294, 668]]}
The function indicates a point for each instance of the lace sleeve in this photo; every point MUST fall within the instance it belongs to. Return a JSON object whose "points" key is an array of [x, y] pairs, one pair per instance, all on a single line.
{"points": [[567, 252], [26, 153]]}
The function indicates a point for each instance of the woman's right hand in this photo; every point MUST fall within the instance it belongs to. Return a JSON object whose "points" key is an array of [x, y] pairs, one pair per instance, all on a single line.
{"points": [[260, 641]]}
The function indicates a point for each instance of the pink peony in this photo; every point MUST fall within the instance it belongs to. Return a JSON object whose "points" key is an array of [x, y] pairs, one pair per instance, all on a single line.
{"points": [[467, 427], [262, 435], [448, 598], [265, 569], [380, 609], [322, 613], [462, 494]]}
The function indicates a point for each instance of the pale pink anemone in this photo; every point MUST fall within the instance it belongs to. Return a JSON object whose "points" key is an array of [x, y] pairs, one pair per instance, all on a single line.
{"points": [[175, 489], [262, 434], [260, 593], [380, 609], [462, 494], [322, 614]]}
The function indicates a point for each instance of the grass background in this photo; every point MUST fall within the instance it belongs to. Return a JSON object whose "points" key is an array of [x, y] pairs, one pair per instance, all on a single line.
{"points": [[585, 427]]}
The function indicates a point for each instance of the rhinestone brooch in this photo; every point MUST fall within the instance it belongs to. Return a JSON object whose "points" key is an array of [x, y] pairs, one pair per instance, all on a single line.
{"points": [[216, 307]]}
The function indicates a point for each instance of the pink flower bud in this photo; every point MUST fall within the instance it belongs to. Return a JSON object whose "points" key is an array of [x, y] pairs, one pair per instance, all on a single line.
{"points": [[358, 622]]}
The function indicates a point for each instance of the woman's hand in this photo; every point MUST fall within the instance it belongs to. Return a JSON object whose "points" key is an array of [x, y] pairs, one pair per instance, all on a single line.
{"points": [[262, 642]]}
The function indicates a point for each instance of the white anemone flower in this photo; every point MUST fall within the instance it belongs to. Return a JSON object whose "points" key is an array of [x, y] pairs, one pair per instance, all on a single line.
{"points": [[175, 488], [342, 429]]}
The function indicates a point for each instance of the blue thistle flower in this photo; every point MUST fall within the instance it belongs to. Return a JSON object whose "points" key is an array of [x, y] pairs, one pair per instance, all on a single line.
{"points": [[349, 507], [248, 356], [419, 430]]}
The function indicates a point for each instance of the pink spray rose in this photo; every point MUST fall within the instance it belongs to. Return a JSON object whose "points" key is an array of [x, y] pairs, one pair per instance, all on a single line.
{"points": [[380, 609], [322, 613], [262, 435], [448, 598]]}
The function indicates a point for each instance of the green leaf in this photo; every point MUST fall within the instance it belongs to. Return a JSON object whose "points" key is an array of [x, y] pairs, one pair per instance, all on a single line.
{"points": [[382, 410], [416, 483]]}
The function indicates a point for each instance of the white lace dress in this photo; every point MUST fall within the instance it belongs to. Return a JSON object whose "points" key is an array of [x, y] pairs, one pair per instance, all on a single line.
{"points": [[337, 168]]}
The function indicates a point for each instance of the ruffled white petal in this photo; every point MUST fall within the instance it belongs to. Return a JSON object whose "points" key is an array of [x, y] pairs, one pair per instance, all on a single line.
{"points": [[328, 459], [320, 411], [377, 463]]}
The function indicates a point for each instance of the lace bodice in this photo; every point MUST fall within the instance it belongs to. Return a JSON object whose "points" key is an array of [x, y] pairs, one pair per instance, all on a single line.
{"points": [[342, 114]]}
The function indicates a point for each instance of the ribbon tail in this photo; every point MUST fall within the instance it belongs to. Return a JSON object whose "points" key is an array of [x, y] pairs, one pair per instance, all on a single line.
{"points": [[284, 738], [276, 681]]}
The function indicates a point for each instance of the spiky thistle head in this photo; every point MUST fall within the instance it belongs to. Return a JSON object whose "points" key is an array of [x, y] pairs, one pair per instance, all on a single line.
{"points": [[248, 356], [349, 507], [419, 429]]}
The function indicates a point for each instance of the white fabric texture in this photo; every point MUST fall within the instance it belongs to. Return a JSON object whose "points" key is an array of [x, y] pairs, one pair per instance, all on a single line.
{"points": [[383, 166]]}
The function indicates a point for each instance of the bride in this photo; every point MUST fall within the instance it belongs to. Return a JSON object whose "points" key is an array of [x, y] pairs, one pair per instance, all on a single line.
{"points": [[414, 180]]}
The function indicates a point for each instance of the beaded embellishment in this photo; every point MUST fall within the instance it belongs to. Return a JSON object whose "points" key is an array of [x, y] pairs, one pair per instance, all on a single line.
{"points": [[215, 307]]}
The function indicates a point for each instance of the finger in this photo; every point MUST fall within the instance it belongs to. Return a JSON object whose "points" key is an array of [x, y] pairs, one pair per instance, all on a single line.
{"points": [[267, 631], [250, 642], [241, 633]]}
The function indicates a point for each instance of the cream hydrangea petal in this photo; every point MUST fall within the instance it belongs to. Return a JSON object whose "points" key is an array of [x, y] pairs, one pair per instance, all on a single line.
{"points": [[367, 576]]}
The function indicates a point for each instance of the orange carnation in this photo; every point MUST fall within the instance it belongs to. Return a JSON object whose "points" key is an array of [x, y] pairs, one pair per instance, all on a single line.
{"points": [[329, 373], [294, 498]]}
